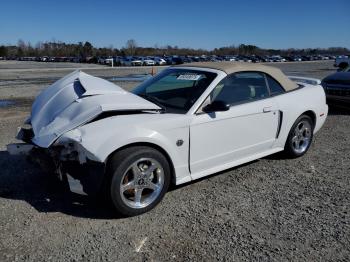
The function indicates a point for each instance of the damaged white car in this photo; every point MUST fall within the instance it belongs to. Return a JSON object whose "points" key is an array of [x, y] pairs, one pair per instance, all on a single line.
{"points": [[185, 123]]}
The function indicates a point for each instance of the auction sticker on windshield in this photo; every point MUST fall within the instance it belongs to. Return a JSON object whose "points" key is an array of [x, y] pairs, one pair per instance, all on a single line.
{"points": [[192, 77]]}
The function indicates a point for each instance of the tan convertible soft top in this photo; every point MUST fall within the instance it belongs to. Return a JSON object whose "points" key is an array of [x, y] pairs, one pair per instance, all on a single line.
{"points": [[233, 67]]}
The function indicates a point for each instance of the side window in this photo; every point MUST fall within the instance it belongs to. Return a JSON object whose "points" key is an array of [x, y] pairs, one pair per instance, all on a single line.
{"points": [[241, 87], [275, 87]]}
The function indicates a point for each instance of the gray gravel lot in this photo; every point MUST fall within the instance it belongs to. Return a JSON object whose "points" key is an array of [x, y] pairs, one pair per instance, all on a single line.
{"points": [[273, 209]]}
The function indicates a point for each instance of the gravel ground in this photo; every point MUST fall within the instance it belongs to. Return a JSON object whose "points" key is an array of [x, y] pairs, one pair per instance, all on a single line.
{"points": [[272, 209]]}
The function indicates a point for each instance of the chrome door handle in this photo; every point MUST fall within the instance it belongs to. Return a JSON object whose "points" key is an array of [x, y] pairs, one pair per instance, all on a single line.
{"points": [[267, 109]]}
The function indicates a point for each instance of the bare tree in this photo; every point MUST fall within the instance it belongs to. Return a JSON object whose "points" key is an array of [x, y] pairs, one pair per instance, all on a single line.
{"points": [[131, 46], [21, 44], [87, 49], [21, 48]]}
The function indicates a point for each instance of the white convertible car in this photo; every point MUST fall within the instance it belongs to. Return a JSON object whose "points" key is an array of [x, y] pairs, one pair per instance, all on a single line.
{"points": [[185, 123]]}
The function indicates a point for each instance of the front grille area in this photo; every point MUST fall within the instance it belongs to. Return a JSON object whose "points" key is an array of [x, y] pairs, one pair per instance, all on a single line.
{"points": [[337, 90]]}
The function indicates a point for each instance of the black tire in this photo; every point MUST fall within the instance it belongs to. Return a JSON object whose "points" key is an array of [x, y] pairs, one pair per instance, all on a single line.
{"points": [[290, 150], [120, 163]]}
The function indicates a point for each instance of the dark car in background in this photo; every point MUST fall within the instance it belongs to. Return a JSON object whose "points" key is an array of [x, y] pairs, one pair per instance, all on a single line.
{"points": [[337, 88], [174, 60]]}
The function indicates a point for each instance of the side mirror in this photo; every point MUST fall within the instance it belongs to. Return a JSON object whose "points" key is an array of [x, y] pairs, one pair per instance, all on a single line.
{"points": [[216, 106]]}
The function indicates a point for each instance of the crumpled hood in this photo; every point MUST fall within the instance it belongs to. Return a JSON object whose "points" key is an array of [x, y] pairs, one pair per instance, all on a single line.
{"points": [[76, 99]]}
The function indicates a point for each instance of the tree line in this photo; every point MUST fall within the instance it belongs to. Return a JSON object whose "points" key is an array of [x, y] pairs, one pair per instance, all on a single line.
{"points": [[86, 49]]}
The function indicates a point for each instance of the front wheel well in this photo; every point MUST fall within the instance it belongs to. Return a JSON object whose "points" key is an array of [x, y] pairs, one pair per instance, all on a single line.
{"points": [[151, 145]]}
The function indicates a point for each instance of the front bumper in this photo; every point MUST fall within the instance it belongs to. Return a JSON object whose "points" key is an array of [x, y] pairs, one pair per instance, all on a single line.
{"points": [[83, 179]]}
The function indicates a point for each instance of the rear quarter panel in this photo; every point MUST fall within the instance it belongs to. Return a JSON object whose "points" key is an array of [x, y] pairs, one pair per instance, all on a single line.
{"points": [[295, 103]]}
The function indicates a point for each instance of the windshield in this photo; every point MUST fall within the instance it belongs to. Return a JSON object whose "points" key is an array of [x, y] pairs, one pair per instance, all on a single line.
{"points": [[175, 90]]}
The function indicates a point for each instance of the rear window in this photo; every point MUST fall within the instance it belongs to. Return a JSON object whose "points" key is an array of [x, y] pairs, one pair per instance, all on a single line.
{"points": [[275, 87]]}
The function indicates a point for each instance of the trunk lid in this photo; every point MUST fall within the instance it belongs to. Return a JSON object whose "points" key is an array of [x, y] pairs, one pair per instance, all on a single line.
{"points": [[76, 99]]}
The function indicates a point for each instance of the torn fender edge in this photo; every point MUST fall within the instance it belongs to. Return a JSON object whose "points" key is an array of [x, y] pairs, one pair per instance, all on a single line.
{"points": [[84, 179]]}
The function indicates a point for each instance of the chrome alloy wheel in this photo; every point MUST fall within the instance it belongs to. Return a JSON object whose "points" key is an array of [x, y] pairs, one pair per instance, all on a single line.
{"points": [[142, 183], [301, 137]]}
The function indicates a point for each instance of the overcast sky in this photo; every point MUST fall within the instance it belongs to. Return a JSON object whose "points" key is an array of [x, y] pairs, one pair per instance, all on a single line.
{"points": [[198, 24]]}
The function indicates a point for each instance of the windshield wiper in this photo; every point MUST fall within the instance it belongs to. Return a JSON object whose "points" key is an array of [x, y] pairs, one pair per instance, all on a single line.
{"points": [[154, 100]]}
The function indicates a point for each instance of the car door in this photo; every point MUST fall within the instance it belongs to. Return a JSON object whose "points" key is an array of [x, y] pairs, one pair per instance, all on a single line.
{"points": [[248, 128]]}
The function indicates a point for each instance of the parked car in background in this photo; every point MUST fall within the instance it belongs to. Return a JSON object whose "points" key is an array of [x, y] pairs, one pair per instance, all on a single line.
{"points": [[102, 60], [159, 61], [177, 61], [146, 61], [186, 59], [27, 58], [215, 58], [242, 58], [131, 61], [342, 62], [185, 123], [174, 60], [109, 60], [196, 58], [266, 59], [91, 60], [292, 58], [44, 59], [255, 58], [305, 58], [277, 58], [337, 88], [297, 59], [230, 58], [324, 57]]}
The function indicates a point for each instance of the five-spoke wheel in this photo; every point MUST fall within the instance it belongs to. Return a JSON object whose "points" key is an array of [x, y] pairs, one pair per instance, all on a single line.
{"points": [[300, 137], [142, 183], [140, 176]]}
